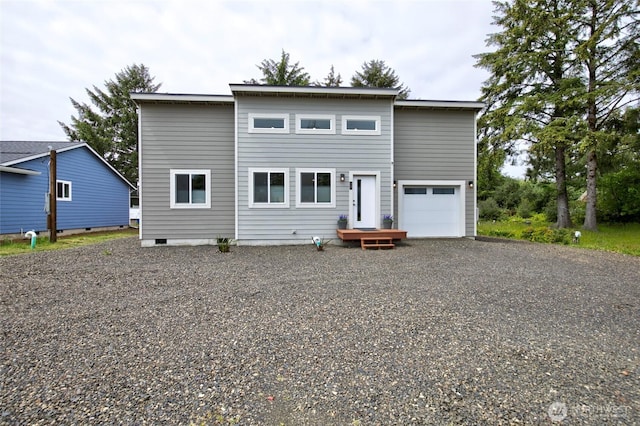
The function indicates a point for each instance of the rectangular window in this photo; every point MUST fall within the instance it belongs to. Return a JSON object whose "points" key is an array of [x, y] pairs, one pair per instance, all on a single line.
{"points": [[63, 190], [315, 188], [444, 191], [315, 124], [268, 123], [360, 125], [190, 189], [268, 188], [415, 191]]}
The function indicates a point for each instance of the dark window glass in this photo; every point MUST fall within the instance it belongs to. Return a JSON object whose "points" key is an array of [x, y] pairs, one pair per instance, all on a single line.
{"points": [[322, 124], [260, 187], [444, 191], [307, 189], [182, 189], [268, 123], [415, 191], [324, 187], [361, 125]]}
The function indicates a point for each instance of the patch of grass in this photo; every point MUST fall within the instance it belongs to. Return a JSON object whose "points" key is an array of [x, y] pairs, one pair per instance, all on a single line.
{"points": [[619, 238], [8, 248]]}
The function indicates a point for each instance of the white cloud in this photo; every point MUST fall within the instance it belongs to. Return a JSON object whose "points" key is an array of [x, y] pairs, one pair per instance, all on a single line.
{"points": [[52, 50]]}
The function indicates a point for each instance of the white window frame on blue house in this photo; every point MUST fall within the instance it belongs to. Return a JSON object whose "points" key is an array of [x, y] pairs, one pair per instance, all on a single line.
{"points": [[313, 131], [315, 203], [371, 118], [174, 204], [269, 204], [282, 130], [64, 195]]}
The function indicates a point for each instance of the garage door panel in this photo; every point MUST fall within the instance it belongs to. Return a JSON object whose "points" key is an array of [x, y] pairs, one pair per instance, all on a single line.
{"points": [[431, 211]]}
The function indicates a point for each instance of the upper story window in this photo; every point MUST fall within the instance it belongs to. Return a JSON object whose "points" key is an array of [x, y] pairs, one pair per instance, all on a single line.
{"points": [[269, 188], [63, 190], [190, 189], [360, 125], [268, 123], [318, 124]]}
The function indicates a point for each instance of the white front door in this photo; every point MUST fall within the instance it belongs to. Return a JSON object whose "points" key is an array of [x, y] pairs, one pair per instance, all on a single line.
{"points": [[364, 201]]}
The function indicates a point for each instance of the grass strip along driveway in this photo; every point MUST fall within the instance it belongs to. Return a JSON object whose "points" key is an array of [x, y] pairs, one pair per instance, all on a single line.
{"points": [[434, 331]]}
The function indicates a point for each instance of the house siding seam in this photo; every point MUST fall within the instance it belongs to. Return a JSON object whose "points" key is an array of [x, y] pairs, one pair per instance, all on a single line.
{"points": [[187, 137], [292, 151], [436, 145]]}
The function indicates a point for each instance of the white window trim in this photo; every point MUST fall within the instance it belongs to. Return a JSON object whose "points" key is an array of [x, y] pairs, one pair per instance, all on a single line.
{"points": [[330, 131], [316, 205], [269, 205], [190, 205], [252, 129], [375, 118], [59, 197]]}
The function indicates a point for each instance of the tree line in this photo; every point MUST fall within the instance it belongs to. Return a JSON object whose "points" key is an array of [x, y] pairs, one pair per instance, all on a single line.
{"points": [[564, 80]]}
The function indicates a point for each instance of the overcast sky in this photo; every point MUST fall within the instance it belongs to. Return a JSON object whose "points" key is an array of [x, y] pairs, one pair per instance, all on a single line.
{"points": [[52, 50]]}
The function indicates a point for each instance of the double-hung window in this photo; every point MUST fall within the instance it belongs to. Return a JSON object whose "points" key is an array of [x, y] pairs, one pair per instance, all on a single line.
{"points": [[268, 188], [63, 190], [315, 188], [315, 124], [268, 123], [360, 125], [190, 189]]}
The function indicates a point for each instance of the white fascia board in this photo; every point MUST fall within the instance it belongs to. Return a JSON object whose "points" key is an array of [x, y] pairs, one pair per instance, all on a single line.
{"points": [[175, 97], [43, 154], [19, 171], [476, 106], [315, 90]]}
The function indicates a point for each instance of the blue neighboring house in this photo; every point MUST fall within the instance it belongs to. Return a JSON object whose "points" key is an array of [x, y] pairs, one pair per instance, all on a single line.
{"points": [[90, 192]]}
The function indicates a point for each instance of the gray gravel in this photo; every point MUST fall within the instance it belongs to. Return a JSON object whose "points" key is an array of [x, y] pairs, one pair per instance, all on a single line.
{"points": [[433, 332]]}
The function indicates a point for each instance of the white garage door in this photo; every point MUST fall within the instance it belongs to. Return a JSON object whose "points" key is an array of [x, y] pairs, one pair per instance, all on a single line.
{"points": [[431, 211]]}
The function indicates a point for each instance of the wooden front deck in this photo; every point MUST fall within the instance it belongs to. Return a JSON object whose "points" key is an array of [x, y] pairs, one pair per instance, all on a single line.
{"points": [[375, 238]]}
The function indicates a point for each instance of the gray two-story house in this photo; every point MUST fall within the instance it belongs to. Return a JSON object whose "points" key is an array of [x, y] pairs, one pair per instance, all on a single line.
{"points": [[277, 165]]}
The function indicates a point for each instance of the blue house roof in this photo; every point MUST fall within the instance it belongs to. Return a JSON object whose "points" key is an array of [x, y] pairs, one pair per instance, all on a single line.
{"points": [[13, 153]]}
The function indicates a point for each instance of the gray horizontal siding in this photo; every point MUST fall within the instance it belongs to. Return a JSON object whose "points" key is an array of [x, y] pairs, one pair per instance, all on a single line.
{"points": [[344, 153], [436, 145], [187, 137]]}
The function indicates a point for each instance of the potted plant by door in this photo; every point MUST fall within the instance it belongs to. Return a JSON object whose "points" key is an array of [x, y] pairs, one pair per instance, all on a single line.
{"points": [[387, 221], [342, 221]]}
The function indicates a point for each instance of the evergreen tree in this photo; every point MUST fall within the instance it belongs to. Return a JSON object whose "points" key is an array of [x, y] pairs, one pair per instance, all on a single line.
{"points": [[376, 73], [281, 73], [112, 129], [532, 84], [332, 80], [609, 32]]}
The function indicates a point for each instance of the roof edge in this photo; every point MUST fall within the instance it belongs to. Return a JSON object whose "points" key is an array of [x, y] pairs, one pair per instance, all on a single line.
{"points": [[314, 90], [180, 97], [431, 104]]}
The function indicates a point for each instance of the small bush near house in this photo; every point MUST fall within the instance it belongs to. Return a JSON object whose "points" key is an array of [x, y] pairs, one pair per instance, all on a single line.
{"points": [[224, 244]]}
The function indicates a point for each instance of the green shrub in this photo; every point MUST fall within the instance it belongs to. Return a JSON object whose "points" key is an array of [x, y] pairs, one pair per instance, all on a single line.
{"points": [[502, 233], [489, 209], [545, 234], [525, 209]]}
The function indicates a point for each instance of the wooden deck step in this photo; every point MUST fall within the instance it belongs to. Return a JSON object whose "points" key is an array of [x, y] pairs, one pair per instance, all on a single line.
{"points": [[376, 242]]}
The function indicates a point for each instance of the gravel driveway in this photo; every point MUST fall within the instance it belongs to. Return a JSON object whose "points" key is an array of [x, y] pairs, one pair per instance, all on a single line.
{"points": [[433, 332]]}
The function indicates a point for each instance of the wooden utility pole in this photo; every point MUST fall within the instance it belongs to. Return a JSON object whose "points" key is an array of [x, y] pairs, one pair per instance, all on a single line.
{"points": [[52, 219]]}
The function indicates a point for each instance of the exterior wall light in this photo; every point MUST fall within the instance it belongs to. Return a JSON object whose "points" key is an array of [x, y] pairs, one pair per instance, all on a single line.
{"points": [[470, 184], [341, 177]]}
